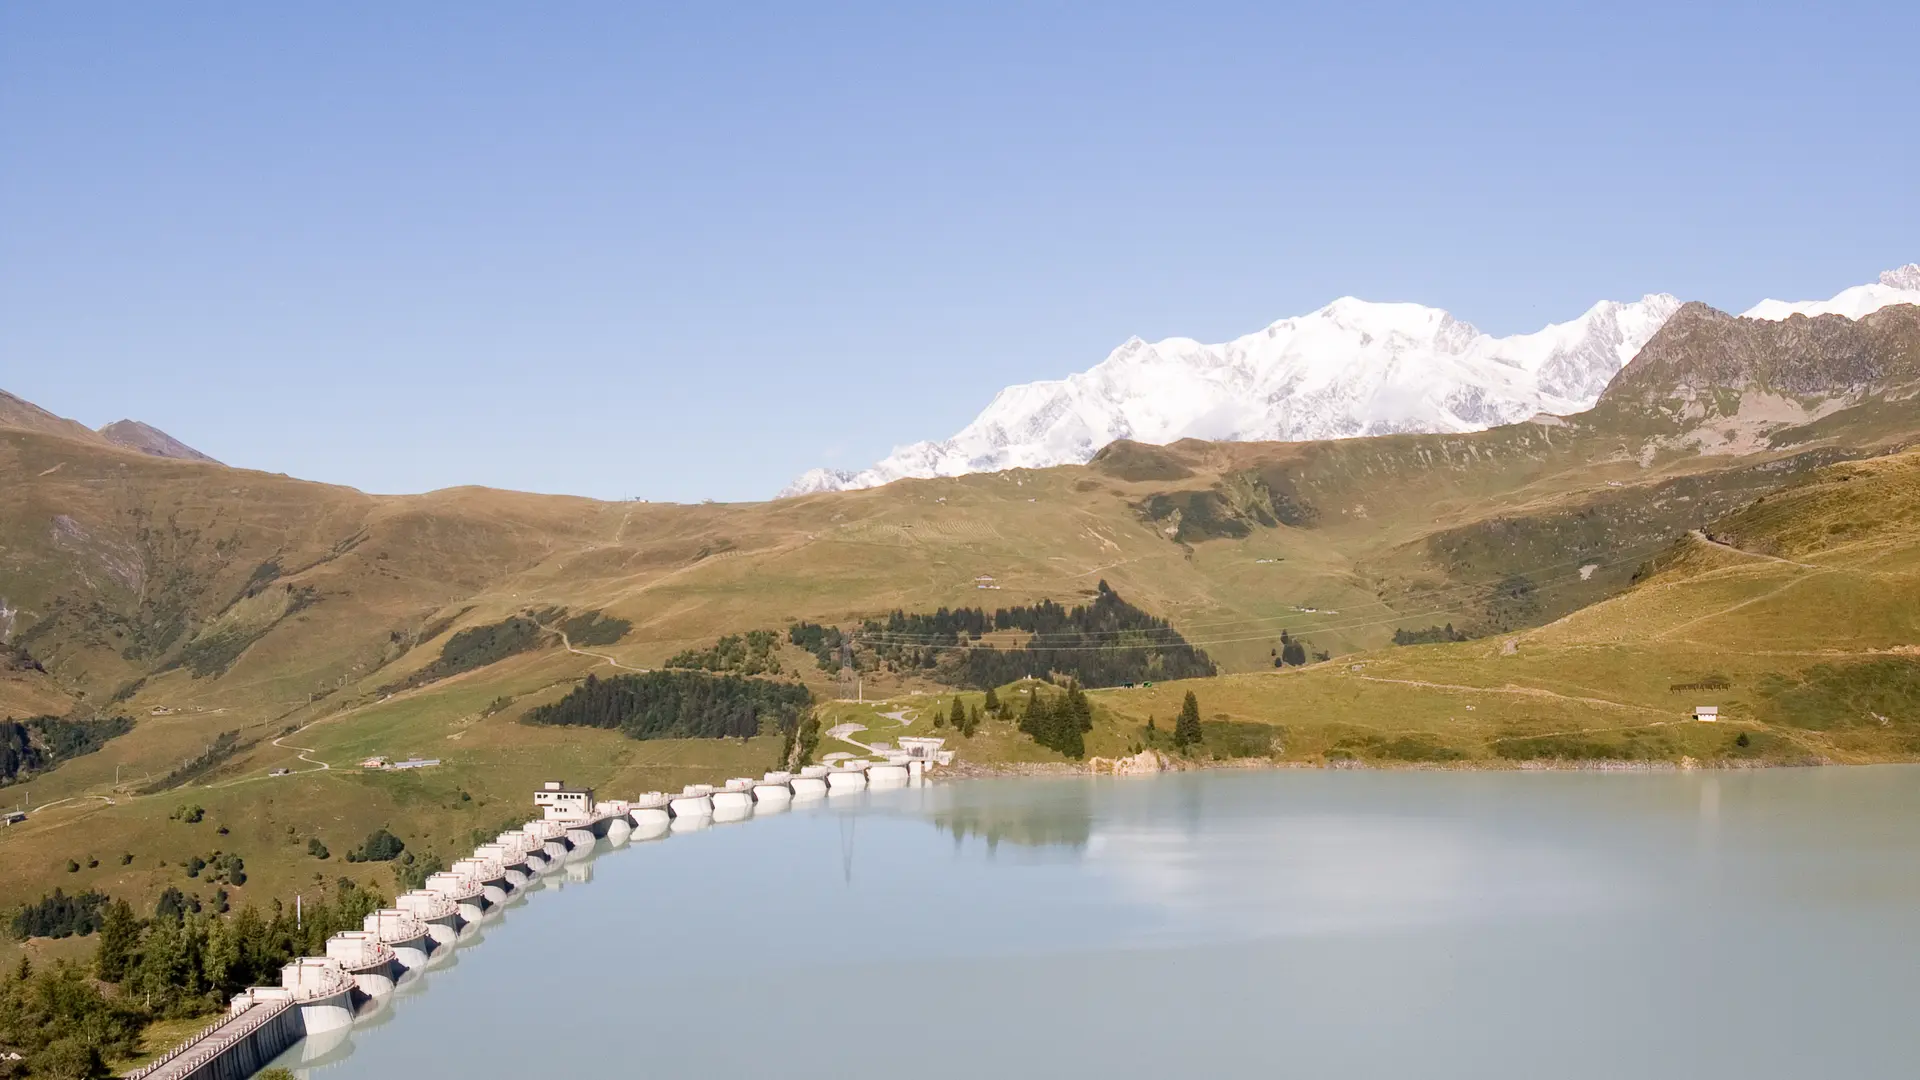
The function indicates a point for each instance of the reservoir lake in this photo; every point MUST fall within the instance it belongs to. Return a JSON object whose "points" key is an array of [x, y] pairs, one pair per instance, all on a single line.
{"points": [[1284, 923]]}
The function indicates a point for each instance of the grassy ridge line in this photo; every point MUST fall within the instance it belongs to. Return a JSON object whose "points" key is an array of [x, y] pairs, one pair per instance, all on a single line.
{"points": [[1318, 712], [674, 572], [685, 533]]}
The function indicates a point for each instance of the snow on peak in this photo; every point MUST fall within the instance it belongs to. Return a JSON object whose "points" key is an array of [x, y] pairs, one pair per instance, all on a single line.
{"points": [[1350, 368], [1901, 286], [1906, 277]]}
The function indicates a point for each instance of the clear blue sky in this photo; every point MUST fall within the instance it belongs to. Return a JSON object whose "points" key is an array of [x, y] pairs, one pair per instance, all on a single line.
{"points": [[618, 250]]}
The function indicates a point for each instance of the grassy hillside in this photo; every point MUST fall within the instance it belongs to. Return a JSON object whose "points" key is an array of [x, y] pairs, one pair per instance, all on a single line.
{"points": [[249, 622], [1797, 616]]}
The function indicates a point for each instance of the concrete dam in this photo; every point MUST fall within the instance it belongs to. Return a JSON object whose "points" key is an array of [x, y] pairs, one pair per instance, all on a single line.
{"points": [[361, 969]]}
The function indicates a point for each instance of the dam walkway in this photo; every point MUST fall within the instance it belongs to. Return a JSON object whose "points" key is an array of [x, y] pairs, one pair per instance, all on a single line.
{"points": [[218, 1051]]}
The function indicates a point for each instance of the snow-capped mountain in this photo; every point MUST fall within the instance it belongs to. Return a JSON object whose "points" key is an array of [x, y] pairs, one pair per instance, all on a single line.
{"points": [[1350, 368], [1900, 286]]}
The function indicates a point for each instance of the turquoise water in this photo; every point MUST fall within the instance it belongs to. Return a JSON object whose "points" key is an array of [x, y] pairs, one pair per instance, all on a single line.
{"points": [[1351, 924]]}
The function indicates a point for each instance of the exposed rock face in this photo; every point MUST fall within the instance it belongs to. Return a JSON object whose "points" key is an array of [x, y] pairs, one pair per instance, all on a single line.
{"points": [[1701, 351], [148, 439], [1144, 763], [15, 658]]}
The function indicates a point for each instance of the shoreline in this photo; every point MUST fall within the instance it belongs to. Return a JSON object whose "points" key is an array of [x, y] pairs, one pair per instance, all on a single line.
{"points": [[1134, 766]]}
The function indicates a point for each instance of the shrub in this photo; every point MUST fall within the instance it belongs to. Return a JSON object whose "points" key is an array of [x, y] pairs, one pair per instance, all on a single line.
{"points": [[410, 873], [1429, 636], [380, 846], [752, 653]]}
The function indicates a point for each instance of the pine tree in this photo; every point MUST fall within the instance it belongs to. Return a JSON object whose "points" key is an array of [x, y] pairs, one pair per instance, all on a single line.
{"points": [[1186, 729], [992, 704], [1079, 708], [221, 959], [250, 937], [1071, 742], [1034, 715], [1054, 723], [164, 969], [958, 716], [119, 942], [973, 723]]}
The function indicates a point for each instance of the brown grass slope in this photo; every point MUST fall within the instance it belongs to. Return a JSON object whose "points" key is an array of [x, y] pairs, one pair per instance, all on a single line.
{"points": [[1798, 616], [148, 439], [202, 600]]}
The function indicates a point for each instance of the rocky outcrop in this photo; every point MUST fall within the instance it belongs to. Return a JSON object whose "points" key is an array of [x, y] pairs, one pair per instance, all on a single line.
{"points": [[1701, 353], [148, 439], [1144, 763], [15, 658]]}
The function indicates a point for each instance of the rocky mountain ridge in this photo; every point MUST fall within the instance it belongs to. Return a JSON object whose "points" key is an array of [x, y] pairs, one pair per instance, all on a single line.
{"points": [[148, 439], [24, 415], [1351, 368]]}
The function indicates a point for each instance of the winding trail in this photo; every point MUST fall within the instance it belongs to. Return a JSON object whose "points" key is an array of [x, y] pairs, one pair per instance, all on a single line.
{"points": [[1749, 602], [597, 656], [71, 798], [1526, 691], [1724, 546], [845, 733], [302, 752]]}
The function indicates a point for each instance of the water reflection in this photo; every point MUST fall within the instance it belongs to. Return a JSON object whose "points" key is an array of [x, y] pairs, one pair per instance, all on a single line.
{"points": [[1377, 925], [1061, 818]]}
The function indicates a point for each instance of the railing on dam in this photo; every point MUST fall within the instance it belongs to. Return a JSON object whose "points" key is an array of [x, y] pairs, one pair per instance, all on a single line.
{"points": [[210, 1043]]}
